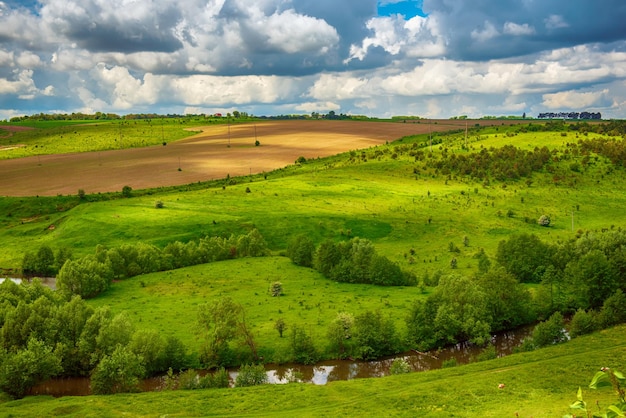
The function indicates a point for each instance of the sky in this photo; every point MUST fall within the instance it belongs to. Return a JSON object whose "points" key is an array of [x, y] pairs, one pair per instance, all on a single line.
{"points": [[378, 58]]}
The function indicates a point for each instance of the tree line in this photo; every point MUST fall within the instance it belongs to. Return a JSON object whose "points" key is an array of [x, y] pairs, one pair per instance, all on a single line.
{"points": [[353, 261], [91, 275]]}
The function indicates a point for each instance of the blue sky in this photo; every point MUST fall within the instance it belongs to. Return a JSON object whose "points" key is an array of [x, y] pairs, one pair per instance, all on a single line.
{"points": [[429, 58]]}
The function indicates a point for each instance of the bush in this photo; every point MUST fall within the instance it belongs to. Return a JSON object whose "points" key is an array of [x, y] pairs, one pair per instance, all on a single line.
{"points": [[251, 375], [302, 346], [276, 289], [399, 366], [544, 220], [117, 373], [582, 323], [550, 332], [159, 204]]}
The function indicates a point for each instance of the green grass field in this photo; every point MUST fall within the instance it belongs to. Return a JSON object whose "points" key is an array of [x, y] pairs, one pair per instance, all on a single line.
{"points": [[539, 384], [61, 137], [168, 302]]}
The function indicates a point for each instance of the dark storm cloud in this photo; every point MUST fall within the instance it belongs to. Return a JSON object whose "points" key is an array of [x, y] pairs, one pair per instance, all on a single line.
{"points": [[492, 29], [98, 27]]}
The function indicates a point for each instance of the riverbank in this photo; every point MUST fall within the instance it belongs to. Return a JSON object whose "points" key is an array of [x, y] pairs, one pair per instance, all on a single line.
{"points": [[541, 383]]}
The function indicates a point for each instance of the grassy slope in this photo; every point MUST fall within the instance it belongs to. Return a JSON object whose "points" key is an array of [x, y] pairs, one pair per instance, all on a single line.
{"points": [[380, 199], [168, 302], [537, 384], [60, 137]]}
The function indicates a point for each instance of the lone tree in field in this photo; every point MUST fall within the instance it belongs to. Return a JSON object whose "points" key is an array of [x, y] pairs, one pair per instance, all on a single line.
{"points": [[280, 325], [544, 220], [126, 191]]}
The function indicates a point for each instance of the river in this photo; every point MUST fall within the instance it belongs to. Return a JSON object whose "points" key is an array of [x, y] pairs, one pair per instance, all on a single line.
{"points": [[325, 371]]}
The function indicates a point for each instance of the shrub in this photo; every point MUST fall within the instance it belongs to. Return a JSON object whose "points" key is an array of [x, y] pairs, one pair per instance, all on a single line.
{"points": [[489, 353], [550, 332], [544, 220], [251, 375], [302, 347], [117, 373], [399, 366], [582, 323], [276, 289], [159, 204]]}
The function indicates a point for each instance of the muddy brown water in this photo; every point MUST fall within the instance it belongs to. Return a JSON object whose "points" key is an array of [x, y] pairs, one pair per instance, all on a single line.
{"points": [[323, 372]]}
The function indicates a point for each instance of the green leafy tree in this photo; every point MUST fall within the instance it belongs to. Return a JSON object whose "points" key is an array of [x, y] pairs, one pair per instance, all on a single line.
{"points": [[327, 257], [524, 256], [127, 191], [374, 335], [339, 335], [280, 325], [302, 347], [462, 312], [85, 277], [21, 370], [118, 372], [223, 321], [613, 312], [551, 331], [582, 323], [590, 280], [300, 250], [509, 303]]}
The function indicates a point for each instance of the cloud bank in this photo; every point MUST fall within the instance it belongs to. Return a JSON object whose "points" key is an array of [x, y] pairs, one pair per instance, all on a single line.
{"points": [[431, 58]]}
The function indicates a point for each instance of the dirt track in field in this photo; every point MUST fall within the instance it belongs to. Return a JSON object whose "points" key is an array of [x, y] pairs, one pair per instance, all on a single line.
{"points": [[203, 156]]}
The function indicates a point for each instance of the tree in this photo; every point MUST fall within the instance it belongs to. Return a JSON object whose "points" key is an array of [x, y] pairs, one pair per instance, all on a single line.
{"points": [[374, 335], [21, 370], [302, 346], [525, 256], [300, 250], [40, 264], [117, 373], [399, 366], [127, 191], [276, 289], [462, 312], [222, 321], [550, 332], [508, 302], [85, 277], [590, 280], [280, 325], [339, 335]]}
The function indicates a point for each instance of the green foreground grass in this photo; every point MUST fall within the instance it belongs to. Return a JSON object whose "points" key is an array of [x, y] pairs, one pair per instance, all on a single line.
{"points": [[538, 384]]}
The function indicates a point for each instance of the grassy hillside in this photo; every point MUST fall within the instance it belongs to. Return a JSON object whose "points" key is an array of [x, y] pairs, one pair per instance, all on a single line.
{"points": [[409, 209], [538, 384], [169, 301], [60, 137]]}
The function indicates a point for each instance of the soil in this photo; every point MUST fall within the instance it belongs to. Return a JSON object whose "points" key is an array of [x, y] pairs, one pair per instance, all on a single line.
{"points": [[214, 153]]}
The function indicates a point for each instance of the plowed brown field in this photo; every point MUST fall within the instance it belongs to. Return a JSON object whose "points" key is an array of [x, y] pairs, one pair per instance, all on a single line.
{"points": [[212, 154]]}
